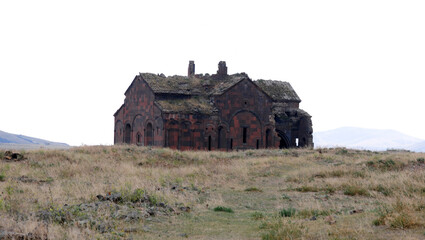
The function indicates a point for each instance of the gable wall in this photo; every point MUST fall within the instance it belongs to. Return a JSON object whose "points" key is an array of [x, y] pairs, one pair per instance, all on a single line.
{"points": [[142, 115], [246, 106]]}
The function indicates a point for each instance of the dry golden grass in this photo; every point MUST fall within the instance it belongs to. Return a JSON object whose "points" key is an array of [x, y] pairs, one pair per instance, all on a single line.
{"points": [[336, 193]]}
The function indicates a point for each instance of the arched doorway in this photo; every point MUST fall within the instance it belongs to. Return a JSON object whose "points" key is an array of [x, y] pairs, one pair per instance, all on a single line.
{"points": [[149, 135], [284, 143], [127, 134]]}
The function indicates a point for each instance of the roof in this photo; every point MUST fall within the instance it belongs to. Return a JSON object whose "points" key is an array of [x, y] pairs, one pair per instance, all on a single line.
{"points": [[195, 104], [195, 85], [175, 84], [196, 90], [278, 90]]}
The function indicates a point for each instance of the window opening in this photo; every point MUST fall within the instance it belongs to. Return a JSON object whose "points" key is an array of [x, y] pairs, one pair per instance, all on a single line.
{"points": [[244, 134]]}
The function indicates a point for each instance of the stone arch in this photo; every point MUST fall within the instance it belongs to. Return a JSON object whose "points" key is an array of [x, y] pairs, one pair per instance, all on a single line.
{"points": [[137, 127], [245, 130], [284, 140]]}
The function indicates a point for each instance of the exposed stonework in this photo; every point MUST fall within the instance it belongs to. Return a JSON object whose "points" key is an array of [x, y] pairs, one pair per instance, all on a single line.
{"points": [[191, 69], [211, 112]]}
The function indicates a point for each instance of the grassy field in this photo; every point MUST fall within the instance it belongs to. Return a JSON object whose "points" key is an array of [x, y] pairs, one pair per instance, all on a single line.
{"points": [[129, 192]]}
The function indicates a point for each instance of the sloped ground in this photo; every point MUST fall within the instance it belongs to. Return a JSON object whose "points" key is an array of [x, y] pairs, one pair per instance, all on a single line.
{"points": [[129, 192]]}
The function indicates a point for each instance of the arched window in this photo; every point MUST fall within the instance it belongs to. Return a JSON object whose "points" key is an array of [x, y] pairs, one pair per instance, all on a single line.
{"points": [[149, 135], [139, 138], [127, 134], [221, 138]]}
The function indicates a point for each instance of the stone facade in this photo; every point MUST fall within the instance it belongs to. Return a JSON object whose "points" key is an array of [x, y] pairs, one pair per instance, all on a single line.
{"points": [[211, 112]]}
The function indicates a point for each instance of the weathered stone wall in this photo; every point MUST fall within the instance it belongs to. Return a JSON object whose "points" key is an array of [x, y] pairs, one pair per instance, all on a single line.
{"points": [[139, 120], [245, 105]]}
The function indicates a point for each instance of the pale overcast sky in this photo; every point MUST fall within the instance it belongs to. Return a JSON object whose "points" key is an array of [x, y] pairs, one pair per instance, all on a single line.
{"points": [[65, 65]]}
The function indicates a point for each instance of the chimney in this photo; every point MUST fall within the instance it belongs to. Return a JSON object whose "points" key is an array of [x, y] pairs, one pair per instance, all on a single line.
{"points": [[222, 69], [191, 69]]}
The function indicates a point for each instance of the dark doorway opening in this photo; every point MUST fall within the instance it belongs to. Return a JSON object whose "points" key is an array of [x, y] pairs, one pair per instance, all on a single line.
{"points": [[283, 143], [127, 134], [209, 143], [258, 143]]}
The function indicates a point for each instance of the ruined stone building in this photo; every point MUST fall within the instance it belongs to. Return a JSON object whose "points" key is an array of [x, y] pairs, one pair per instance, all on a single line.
{"points": [[211, 112]]}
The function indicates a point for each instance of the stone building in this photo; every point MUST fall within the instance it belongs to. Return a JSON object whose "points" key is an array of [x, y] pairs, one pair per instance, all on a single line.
{"points": [[211, 112]]}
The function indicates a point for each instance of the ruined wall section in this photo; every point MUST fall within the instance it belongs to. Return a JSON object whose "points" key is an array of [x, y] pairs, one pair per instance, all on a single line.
{"points": [[246, 106]]}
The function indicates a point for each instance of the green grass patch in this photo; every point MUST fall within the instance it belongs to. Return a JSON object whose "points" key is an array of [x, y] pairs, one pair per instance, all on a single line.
{"points": [[223, 209], [287, 212], [351, 190]]}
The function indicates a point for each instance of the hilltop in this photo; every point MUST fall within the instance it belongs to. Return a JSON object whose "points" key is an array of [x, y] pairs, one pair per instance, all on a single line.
{"points": [[17, 141], [130, 192], [368, 139]]}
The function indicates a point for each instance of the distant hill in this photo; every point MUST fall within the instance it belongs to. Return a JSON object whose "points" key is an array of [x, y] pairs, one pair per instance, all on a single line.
{"points": [[370, 139], [418, 147], [14, 141]]}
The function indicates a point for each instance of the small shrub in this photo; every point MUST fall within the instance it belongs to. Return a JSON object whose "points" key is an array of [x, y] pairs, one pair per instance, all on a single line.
{"points": [[286, 197], [385, 165], [2, 177], [282, 231], [308, 213], [403, 221], [153, 199], [137, 195], [257, 215], [253, 189], [421, 160], [386, 191], [289, 212], [223, 209], [351, 190]]}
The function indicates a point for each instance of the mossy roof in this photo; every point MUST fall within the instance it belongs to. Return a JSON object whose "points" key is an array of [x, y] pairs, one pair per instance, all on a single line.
{"points": [[278, 90], [195, 85], [195, 104]]}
